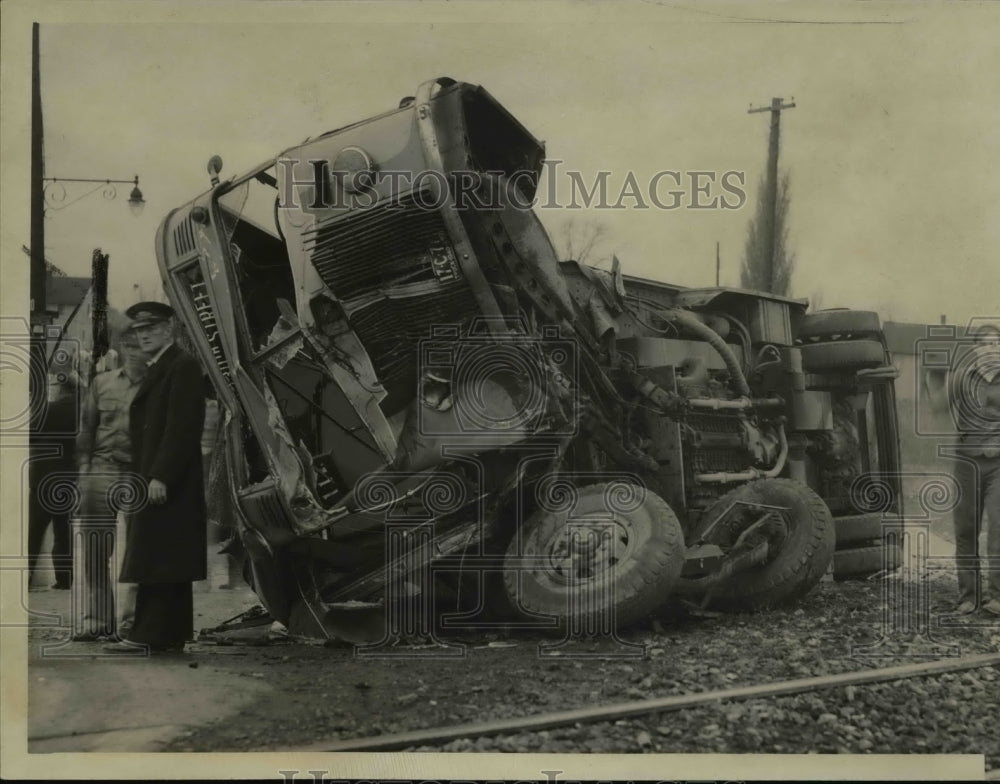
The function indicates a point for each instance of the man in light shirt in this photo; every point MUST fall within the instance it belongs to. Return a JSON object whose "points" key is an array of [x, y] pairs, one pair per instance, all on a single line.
{"points": [[104, 456]]}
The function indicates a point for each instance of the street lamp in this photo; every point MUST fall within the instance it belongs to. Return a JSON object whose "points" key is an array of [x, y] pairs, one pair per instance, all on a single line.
{"points": [[135, 201], [56, 197], [53, 196]]}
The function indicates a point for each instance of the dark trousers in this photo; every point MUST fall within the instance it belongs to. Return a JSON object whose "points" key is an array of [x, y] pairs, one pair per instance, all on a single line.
{"points": [[164, 615], [978, 479], [50, 499]]}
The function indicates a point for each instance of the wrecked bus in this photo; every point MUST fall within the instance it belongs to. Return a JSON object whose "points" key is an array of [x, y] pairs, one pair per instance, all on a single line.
{"points": [[421, 397]]}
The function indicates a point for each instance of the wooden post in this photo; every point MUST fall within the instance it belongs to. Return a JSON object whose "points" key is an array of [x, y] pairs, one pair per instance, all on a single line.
{"points": [[99, 317]]}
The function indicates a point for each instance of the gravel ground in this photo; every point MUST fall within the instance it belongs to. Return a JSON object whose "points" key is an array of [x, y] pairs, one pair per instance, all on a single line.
{"points": [[327, 694]]}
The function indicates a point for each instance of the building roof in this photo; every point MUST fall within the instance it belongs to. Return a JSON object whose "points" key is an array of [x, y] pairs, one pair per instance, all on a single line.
{"points": [[60, 291]]}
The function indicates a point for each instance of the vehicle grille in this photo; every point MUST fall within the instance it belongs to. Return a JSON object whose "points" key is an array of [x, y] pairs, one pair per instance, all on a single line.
{"points": [[380, 250], [389, 244], [390, 329], [184, 238]]}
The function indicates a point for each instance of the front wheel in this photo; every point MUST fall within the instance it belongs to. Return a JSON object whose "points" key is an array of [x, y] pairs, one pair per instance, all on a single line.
{"points": [[615, 554], [798, 556]]}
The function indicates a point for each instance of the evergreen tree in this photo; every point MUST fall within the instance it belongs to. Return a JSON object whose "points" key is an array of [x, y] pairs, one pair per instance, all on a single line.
{"points": [[758, 271]]}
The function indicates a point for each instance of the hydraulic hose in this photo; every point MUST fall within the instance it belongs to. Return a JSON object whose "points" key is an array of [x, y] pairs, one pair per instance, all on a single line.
{"points": [[693, 324], [752, 473]]}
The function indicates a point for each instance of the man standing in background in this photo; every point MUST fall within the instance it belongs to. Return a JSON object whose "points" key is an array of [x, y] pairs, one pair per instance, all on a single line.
{"points": [[974, 390], [104, 456], [167, 542], [50, 476]]}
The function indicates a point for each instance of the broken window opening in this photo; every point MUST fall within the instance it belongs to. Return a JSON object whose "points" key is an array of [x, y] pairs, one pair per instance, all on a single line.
{"points": [[498, 142], [263, 271], [256, 466], [320, 417]]}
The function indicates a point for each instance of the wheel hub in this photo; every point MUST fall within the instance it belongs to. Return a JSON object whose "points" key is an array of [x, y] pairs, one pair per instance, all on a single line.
{"points": [[584, 551]]}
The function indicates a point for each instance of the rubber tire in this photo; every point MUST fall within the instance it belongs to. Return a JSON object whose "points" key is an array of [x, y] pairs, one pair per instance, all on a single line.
{"points": [[861, 562], [803, 559], [834, 323], [642, 583], [842, 355], [859, 528]]}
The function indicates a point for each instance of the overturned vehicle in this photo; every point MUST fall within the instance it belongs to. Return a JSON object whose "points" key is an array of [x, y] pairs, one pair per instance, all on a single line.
{"points": [[422, 400]]}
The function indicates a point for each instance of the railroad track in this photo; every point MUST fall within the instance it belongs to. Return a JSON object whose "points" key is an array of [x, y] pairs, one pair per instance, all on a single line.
{"points": [[621, 710]]}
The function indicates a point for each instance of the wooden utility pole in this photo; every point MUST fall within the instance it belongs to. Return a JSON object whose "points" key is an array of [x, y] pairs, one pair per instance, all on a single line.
{"points": [[37, 381], [718, 264], [770, 215], [37, 316]]}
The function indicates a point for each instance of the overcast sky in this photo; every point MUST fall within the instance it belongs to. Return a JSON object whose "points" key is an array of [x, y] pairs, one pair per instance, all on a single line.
{"points": [[892, 149]]}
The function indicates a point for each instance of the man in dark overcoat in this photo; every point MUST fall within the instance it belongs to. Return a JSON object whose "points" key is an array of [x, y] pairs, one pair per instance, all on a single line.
{"points": [[166, 542]]}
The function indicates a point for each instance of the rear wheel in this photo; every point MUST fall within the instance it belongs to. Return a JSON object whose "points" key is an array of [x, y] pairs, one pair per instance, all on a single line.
{"points": [[617, 552], [799, 551], [842, 355]]}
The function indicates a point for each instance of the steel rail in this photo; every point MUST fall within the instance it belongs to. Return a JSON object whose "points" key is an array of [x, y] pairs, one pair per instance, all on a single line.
{"points": [[544, 721]]}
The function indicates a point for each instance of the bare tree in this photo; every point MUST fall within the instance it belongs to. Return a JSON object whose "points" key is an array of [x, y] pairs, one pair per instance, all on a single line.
{"points": [[581, 241], [760, 270]]}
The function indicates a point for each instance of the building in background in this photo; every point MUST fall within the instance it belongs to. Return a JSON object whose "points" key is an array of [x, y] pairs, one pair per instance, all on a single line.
{"points": [[922, 353], [69, 306]]}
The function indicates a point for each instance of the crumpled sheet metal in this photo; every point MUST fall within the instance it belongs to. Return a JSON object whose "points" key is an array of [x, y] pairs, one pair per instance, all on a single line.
{"points": [[293, 484]]}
